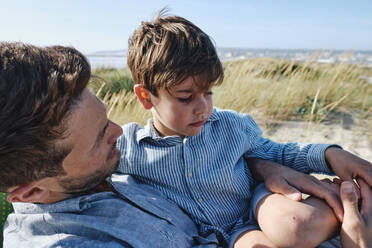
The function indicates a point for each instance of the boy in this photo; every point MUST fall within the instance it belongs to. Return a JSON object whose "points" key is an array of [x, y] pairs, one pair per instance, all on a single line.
{"points": [[195, 154]]}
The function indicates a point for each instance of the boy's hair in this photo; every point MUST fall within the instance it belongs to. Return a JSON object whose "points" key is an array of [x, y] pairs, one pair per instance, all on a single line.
{"points": [[38, 88], [164, 52]]}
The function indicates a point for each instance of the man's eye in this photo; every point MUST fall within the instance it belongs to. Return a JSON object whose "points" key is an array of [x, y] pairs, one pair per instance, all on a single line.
{"points": [[209, 93], [186, 100]]}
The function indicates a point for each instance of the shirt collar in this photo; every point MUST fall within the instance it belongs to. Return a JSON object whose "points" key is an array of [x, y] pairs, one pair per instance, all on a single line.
{"points": [[149, 131], [124, 184]]}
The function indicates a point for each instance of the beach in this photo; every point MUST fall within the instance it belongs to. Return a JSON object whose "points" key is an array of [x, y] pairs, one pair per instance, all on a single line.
{"points": [[351, 133]]}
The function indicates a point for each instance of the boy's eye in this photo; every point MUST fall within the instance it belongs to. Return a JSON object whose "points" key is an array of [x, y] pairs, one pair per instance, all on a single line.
{"points": [[209, 93], [186, 100]]}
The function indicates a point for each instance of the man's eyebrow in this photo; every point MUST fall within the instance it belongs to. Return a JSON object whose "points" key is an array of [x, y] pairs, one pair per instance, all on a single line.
{"points": [[100, 135]]}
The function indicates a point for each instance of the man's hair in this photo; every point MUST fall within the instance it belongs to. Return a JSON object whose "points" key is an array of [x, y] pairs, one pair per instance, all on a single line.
{"points": [[164, 52], [38, 88]]}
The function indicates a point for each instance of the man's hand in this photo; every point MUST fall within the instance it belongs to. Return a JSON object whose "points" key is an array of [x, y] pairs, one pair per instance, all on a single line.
{"points": [[356, 229], [286, 181], [348, 166]]}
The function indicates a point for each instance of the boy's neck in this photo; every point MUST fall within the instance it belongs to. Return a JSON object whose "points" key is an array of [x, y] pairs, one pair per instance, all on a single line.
{"points": [[161, 134]]}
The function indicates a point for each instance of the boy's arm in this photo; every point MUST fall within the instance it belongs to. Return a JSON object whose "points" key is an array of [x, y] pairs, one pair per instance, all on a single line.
{"points": [[304, 157], [329, 159], [348, 166], [291, 183]]}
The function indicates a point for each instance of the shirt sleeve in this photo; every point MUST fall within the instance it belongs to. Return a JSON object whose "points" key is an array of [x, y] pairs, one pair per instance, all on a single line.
{"points": [[304, 157]]}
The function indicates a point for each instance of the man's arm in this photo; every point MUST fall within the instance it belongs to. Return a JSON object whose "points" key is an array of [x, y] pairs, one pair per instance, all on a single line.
{"points": [[356, 230]]}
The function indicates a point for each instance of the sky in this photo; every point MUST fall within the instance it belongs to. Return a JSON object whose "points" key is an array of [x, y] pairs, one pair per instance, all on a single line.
{"points": [[92, 25]]}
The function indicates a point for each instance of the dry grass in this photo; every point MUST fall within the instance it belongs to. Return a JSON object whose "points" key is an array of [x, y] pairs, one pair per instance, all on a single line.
{"points": [[279, 88], [273, 89]]}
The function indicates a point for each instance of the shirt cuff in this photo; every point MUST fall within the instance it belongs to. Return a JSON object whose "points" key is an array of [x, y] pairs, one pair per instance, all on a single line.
{"points": [[316, 158]]}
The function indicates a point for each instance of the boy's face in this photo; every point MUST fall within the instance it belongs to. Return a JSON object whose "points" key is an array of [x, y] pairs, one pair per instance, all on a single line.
{"points": [[183, 110]]}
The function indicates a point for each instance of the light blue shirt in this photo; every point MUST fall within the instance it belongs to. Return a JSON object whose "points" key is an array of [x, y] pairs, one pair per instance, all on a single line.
{"points": [[134, 216], [206, 174]]}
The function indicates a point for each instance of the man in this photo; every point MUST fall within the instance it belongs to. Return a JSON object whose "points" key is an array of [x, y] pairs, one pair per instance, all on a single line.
{"points": [[57, 148]]}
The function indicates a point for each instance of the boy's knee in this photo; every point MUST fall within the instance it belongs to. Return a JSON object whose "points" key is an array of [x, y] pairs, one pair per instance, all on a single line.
{"points": [[300, 227], [323, 217], [312, 225], [296, 224]]}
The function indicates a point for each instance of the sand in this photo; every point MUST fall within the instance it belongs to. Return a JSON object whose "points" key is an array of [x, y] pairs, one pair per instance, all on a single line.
{"points": [[346, 130]]}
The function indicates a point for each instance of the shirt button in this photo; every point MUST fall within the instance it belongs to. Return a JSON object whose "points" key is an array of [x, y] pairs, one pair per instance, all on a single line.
{"points": [[200, 200], [218, 225], [189, 174]]}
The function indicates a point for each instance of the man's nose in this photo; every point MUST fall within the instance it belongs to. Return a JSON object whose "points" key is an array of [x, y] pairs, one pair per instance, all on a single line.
{"points": [[116, 132]]}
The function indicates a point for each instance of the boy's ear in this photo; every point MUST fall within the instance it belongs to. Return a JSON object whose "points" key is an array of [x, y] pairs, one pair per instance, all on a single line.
{"points": [[28, 193], [143, 96]]}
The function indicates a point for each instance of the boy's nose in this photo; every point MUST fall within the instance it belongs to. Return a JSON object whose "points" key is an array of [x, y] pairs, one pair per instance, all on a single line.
{"points": [[201, 106]]}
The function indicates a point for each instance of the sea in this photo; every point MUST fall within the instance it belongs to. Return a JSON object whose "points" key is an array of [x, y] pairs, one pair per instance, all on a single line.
{"points": [[117, 58], [117, 62]]}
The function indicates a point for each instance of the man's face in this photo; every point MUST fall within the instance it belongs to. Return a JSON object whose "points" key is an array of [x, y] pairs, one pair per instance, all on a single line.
{"points": [[94, 155], [183, 110]]}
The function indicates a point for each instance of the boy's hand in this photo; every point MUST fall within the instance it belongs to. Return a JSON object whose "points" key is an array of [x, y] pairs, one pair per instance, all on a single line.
{"points": [[348, 166], [284, 180]]}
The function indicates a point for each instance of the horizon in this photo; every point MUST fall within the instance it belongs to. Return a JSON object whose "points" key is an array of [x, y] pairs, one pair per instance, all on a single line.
{"points": [[95, 53], [117, 58], [105, 26]]}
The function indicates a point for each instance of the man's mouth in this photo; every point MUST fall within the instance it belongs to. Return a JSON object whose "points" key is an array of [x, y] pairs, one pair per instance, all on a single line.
{"points": [[114, 152]]}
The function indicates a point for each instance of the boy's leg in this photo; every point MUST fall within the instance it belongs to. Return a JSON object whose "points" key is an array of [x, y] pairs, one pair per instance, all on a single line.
{"points": [[253, 239], [288, 223]]}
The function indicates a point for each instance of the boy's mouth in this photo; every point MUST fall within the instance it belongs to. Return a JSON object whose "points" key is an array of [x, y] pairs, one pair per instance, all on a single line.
{"points": [[198, 123]]}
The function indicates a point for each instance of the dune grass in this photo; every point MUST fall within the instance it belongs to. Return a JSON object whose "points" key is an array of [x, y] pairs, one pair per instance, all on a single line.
{"points": [[291, 90], [107, 81], [272, 88]]}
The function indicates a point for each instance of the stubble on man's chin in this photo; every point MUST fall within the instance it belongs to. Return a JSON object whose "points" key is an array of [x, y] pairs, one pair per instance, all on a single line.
{"points": [[88, 184]]}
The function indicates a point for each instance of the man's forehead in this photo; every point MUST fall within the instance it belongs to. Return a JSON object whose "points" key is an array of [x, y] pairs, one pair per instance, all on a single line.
{"points": [[87, 112]]}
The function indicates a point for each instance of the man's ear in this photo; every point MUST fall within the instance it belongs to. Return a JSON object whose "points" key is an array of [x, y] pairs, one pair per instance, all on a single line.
{"points": [[28, 193], [143, 96]]}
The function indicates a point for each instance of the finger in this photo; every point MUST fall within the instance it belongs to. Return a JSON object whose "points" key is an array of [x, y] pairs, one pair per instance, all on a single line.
{"points": [[334, 202], [322, 190], [337, 180], [356, 187], [282, 187], [366, 194], [367, 177], [349, 201], [346, 178], [326, 180], [364, 170]]}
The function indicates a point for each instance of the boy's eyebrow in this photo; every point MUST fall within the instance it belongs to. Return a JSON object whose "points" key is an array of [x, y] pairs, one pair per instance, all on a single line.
{"points": [[184, 91], [100, 135]]}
